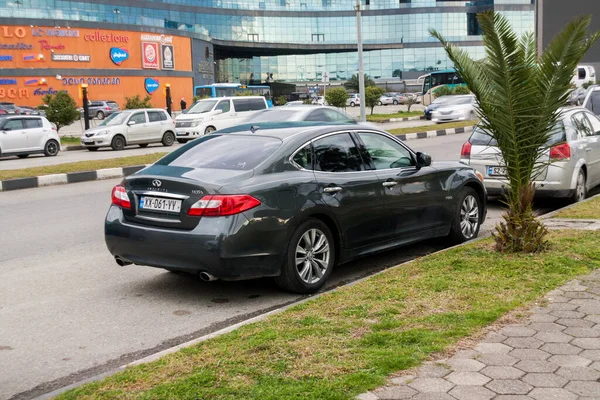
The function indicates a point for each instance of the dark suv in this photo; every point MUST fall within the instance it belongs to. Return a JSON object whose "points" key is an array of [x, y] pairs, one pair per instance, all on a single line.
{"points": [[101, 108], [8, 109]]}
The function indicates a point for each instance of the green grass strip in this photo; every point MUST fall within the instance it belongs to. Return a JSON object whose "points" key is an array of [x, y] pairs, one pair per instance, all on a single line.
{"points": [[385, 117], [80, 166], [70, 140], [435, 127], [587, 210], [349, 341]]}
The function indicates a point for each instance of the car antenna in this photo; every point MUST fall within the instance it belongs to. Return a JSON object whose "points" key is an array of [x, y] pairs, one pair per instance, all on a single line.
{"points": [[254, 128]]}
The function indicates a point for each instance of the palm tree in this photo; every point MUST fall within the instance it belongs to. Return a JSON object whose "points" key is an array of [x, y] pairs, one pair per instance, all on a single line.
{"points": [[520, 93], [352, 83]]}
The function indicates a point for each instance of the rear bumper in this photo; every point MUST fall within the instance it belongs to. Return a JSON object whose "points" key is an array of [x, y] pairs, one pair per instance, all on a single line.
{"points": [[542, 188], [227, 247]]}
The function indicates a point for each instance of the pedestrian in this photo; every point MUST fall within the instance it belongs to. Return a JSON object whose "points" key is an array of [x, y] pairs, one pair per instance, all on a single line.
{"points": [[183, 104]]}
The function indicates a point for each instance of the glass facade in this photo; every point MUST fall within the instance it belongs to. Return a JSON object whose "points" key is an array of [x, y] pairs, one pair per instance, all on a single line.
{"points": [[317, 26]]}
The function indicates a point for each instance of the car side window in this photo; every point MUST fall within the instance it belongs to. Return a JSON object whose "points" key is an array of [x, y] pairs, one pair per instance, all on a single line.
{"points": [[582, 125], [32, 123], [139, 118], [154, 116], [303, 157], [13, 125], [595, 122], [337, 153], [224, 105], [386, 153], [336, 116]]}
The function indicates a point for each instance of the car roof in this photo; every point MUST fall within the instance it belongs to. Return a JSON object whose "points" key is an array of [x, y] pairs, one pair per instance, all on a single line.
{"points": [[291, 130]]}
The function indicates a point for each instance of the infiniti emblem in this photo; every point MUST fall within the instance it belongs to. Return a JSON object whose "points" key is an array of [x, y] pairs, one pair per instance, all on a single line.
{"points": [[156, 183]]}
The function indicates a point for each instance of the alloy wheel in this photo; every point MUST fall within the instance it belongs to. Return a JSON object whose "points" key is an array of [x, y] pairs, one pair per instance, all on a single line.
{"points": [[312, 256], [52, 148], [469, 216], [580, 188]]}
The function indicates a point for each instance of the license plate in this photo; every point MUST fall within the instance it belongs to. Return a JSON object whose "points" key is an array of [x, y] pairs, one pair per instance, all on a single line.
{"points": [[182, 133], [158, 204], [88, 140], [496, 171]]}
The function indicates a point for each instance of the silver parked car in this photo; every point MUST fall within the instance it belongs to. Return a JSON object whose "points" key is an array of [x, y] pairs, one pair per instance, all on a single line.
{"points": [[309, 113], [140, 126], [455, 108], [572, 157]]}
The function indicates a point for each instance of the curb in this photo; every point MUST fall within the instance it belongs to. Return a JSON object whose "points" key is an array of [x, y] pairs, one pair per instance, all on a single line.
{"points": [[71, 148], [71, 177], [401, 119], [436, 133]]}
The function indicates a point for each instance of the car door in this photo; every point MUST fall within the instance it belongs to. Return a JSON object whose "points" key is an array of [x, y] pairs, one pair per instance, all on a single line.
{"points": [[351, 192], [12, 136], [412, 195], [593, 142], [35, 133], [137, 128], [156, 125], [228, 116]]}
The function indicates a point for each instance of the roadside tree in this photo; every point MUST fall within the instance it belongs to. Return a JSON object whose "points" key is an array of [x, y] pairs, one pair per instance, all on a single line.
{"points": [[519, 93], [337, 97], [136, 102], [60, 109], [372, 95], [352, 83], [411, 101], [281, 100]]}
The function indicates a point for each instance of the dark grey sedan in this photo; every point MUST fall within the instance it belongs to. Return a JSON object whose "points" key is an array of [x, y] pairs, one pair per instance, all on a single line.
{"points": [[289, 203]]}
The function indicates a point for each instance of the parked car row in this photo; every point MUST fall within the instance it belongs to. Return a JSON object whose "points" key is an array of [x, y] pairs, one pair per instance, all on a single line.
{"points": [[7, 108]]}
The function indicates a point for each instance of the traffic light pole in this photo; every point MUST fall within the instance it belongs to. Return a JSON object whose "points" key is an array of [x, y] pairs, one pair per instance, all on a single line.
{"points": [[86, 108]]}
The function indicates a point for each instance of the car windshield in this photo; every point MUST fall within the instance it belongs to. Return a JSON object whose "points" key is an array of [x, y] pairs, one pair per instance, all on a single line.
{"points": [[273, 116], [232, 152], [482, 138], [115, 119], [202, 106]]}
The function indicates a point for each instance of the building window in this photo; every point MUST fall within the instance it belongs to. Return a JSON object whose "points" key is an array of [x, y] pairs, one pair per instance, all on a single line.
{"points": [[473, 28], [404, 1], [326, 3], [253, 37], [318, 37]]}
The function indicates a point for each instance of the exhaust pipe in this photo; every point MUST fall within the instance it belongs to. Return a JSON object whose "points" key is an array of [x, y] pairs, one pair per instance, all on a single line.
{"points": [[205, 276], [122, 262]]}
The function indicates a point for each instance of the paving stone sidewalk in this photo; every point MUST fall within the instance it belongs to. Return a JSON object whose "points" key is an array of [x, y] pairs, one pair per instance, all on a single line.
{"points": [[552, 355]]}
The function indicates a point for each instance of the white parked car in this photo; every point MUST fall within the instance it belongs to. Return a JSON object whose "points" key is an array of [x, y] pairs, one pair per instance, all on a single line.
{"points": [[387, 99], [24, 135], [584, 74], [208, 115], [455, 108], [129, 127], [592, 99], [353, 100], [320, 100]]}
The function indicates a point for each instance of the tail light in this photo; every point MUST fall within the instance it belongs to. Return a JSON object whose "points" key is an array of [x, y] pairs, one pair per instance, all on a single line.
{"points": [[560, 152], [465, 152], [107, 108], [222, 205], [120, 197]]}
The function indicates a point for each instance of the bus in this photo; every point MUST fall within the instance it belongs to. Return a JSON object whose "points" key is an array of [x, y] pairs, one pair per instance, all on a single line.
{"points": [[233, 89], [431, 81]]}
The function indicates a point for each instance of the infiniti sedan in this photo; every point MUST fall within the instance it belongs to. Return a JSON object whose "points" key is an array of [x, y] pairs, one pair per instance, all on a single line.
{"points": [[311, 113], [289, 203]]}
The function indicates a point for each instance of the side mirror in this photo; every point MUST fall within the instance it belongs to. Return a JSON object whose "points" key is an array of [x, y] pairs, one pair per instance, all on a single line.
{"points": [[6, 129], [423, 160], [131, 123], [217, 112]]}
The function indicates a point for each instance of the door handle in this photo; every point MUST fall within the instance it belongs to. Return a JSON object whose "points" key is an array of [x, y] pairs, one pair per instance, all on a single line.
{"points": [[332, 189], [389, 184], [588, 150]]}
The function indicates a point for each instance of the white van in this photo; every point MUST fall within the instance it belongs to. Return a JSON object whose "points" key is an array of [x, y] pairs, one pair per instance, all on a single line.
{"points": [[208, 115], [584, 74]]}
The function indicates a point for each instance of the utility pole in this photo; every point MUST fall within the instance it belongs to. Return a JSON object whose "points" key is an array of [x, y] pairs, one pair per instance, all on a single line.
{"points": [[361, 72]]}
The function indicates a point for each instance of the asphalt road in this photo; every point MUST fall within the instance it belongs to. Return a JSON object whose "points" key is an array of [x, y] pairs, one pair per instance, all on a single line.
{"points": [[67, 311]]}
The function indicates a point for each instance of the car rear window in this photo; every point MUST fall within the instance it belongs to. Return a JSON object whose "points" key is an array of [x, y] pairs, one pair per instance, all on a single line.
{"points": [[112, 104], [482, 138], [235, 152]]}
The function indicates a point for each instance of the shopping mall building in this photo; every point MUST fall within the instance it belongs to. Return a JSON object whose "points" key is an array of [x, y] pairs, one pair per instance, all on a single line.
{"points": [[126, 47]]}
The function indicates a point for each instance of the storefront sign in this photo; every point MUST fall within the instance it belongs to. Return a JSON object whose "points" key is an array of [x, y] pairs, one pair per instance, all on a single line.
{"points": [[157, 38], [14, 93], [43, 92], [16, 46], [8, 81], [91, 81], [6, 58], [168, 56], [205, 67], [45, 45], [151, 85], [149, 55], [35, 82], [106, 37], [33, 57], [71, 57], [52, 32], [118, 55], [8, 32]]}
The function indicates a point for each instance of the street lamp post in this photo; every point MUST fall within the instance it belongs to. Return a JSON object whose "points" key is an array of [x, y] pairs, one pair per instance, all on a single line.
{"points": [[361, 72]]}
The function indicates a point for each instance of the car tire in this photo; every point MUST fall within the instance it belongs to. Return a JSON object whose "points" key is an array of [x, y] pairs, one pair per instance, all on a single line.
{"points": [[395, 102], [143, 145], [466, 219], [380, 104], [313, 276], [182, 140], [209, 129], [168, 139], [22, 155], [118, 143], [580, 188], [51, 148], [100, 115], [352, 104], [92, 148]]}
